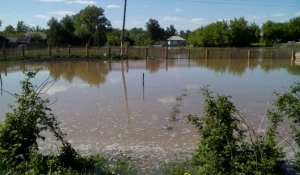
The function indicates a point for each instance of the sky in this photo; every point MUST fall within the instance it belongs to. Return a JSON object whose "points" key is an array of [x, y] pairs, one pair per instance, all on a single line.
{"points": [[183, 14]]}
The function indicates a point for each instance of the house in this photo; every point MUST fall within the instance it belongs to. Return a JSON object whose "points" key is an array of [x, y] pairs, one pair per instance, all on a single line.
{"points": [[175, 40], [20, 40], [3, 41]]}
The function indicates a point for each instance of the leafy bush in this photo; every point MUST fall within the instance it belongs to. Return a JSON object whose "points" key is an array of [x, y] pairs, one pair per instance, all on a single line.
{"points": [[229, 146]]}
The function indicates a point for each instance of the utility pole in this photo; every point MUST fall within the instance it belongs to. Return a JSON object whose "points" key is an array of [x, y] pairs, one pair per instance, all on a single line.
{"points": [[124, 19]]}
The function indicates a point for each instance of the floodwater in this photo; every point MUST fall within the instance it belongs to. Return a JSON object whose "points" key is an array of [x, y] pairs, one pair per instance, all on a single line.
{"points": [[103, 104]]}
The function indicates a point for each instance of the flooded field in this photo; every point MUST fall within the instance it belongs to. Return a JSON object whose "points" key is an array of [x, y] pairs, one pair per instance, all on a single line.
{"points": [[103, 105]]}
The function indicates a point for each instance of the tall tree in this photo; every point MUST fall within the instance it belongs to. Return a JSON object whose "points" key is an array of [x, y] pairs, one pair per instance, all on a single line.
{"points": [[54, 34], [89, 21], [21, 27], [170, 31], [155, 32], [9, 30]]}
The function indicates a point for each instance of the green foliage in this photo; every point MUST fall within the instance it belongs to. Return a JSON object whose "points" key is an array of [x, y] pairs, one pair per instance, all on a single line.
{"points": [[225, 148], [289, 104], [155, 32], [236, 33]]}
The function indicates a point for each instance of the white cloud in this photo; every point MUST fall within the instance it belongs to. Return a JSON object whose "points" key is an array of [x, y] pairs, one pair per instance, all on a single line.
{"points": [[179, 10], [198, 21], [82, 2], [52, 0], [170, 18], [167, 100], [62, 13], [45, 17], [278, 15], [298, 14], [56, 88], [223, 19], [113, 6]]}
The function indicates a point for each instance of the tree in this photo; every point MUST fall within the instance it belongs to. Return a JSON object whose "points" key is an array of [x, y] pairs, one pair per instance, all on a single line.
{"points": [[184, 34], [170, 31], [240, 32], [54, 34], [9, 30], [139, 36], [89, 21], [155, 32], [21, 27], [0, 23]]}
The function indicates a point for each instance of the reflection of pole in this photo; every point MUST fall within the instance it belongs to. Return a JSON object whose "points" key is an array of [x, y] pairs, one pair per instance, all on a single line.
{"points": [[143, 86], [124, 18], [167, 66], [125, 91], [1, 83]]}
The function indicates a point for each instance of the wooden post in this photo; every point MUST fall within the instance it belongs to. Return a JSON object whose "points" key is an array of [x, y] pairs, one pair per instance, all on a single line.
{"points": [[109, 52], [249, 54], [189, 54], [146, 53], [69, 51], [166, 52], [167, 65], [49, 51], [293, 56], [230, 54], [22, 48], [87, 49], [206, 54]]}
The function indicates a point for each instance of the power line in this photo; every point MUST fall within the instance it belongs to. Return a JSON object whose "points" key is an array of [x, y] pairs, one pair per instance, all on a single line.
{"points": [[243, 4]]}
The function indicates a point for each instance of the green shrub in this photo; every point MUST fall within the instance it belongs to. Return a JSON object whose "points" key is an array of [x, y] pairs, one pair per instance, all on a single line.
{"points": [[224, 147]]}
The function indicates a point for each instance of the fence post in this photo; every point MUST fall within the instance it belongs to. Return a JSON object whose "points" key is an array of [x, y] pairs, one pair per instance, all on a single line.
{"points": [[146, 53], [249, 54], [109, 52], [206, 54], [293, 56], [22, 48], [87, 49], [49, 51], [166, 52], [69, 51], [189, 54]]}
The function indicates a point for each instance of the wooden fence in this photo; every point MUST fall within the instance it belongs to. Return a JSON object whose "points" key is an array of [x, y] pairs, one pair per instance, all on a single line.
{"points": [[145, 52]]}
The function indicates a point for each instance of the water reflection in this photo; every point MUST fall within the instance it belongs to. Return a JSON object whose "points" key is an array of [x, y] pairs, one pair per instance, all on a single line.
{"points": [[95, 72]]}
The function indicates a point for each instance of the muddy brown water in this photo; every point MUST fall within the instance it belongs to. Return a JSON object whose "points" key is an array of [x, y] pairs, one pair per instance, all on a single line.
{"points": [[103, 105]]}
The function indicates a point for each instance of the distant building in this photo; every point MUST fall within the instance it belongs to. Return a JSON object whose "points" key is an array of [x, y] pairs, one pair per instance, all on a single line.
{"points": [[175, 40], [20, 40], [3, 41]]}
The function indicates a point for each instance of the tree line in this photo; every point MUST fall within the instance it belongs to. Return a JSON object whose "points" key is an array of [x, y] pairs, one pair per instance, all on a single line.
{"points": [[91, 26]]}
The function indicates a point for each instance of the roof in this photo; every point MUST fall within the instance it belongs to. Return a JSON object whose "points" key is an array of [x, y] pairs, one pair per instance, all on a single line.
{"points": [[23, 40], [175, 38], [3, 38], [42, 34]]}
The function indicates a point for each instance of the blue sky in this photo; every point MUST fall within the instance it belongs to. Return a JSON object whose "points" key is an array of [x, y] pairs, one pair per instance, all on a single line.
{"points": [[184, 14]]}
